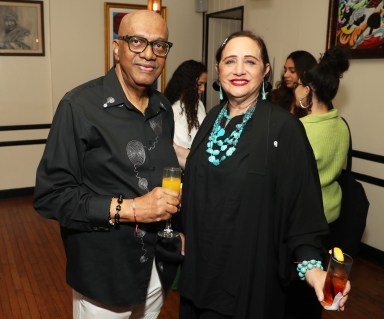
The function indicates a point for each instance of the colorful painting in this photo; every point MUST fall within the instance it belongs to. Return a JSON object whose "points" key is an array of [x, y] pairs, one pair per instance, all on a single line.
{"points": [[357, 26]]}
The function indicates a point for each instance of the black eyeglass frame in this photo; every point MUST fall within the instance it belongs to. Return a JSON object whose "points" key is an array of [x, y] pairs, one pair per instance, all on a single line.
{"points": [[127, 39]]}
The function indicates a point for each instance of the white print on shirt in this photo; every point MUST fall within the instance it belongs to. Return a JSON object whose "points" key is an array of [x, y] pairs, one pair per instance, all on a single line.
{"points": [[109, 101], [136, 154]]}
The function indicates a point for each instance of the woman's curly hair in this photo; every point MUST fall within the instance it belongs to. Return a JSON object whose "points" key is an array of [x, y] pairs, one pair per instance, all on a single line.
{"points": [[324, 78], [183, 86]]}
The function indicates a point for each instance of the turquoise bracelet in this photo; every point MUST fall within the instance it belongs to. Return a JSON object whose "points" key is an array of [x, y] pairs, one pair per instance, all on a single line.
{"points": [[308, 265]]}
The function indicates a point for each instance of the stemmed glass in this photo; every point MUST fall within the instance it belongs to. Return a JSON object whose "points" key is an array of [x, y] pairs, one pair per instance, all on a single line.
{"points": [[171, 180]]}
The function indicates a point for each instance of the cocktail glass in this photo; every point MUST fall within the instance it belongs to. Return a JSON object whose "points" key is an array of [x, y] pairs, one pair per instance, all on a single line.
{"points": [[335, 281], [171, 180]]}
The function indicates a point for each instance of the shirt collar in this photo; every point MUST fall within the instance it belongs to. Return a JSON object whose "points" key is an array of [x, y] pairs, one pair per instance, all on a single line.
{"points": [[114, 96], [313, 118]]}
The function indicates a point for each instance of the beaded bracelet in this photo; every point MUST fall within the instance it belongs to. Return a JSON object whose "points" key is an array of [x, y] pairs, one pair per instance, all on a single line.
{"points": [[308, 265], [118, 209], [109, 215], [134, 215]]}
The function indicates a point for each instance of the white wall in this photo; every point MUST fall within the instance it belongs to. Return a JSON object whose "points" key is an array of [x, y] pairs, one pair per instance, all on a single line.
{"points": [[78, 39]]}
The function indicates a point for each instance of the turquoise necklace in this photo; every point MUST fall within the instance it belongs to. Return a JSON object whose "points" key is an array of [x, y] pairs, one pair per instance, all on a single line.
{"points": [[219, 149]]}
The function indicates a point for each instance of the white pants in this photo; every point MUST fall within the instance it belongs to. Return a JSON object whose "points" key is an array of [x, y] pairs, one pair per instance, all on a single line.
{"points": [[85, 308]]}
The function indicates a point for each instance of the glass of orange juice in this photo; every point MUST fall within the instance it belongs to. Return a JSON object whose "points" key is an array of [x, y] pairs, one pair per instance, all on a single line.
{"points": [[171, 180]]}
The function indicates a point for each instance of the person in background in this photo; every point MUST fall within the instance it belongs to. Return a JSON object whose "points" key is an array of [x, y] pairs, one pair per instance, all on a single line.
{"points": [[250, 212], [295, 65], [329, 138], [100, 177], [326, 130], [184, 90]]}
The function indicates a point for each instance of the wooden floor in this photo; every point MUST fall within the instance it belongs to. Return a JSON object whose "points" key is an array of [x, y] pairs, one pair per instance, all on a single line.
{"points": [[32, 272]]}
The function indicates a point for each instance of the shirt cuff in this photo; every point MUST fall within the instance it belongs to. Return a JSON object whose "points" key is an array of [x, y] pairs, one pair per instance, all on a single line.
{"points": [[307, 253], [98, 211]]}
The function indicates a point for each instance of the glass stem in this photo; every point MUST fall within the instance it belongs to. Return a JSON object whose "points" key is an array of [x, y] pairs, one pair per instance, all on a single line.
{"points": [[168, 225]]}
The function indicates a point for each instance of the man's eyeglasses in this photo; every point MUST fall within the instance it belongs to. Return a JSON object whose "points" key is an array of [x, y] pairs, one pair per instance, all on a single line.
{"points": [[296, 84], [138, 44]]}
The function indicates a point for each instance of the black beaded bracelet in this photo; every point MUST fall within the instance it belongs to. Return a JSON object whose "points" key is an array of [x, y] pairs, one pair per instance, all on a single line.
{"points": [[118, 209]]}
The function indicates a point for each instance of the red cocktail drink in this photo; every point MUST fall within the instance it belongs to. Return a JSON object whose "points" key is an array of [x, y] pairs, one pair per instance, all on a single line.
{"points": [[337, 277]]}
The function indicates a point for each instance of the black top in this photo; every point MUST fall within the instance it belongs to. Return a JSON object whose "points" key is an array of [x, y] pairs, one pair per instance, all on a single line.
{"points": [[101, 146], [247, 220]]}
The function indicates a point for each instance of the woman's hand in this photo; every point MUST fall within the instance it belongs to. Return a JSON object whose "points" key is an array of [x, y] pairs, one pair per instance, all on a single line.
{"points": [[182, 154], [316, 279]]}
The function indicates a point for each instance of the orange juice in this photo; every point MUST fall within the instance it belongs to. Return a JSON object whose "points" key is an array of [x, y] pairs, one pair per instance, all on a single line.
{"points": [[172, 183]]}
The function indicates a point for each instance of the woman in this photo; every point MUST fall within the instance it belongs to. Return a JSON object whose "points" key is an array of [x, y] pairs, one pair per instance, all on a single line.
{"points": [[329, 138], [248, 215], [183, 91], [326, 131], [295, 65]]}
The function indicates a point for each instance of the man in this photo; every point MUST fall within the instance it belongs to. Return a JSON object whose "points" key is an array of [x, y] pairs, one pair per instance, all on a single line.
{"points": [[100, 172]]}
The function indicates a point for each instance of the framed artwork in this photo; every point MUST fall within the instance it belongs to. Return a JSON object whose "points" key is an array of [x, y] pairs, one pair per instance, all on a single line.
{"points": [[357, 26], [113, 13], [21, 28]]}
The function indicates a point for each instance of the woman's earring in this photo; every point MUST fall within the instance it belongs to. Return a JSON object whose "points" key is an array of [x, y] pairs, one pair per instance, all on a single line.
{"points": [[302, 105], [221, 92], [263, 93]]}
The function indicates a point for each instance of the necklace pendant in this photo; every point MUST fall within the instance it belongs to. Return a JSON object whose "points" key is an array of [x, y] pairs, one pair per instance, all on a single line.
{"points": [[221, 132], [230, 151]]}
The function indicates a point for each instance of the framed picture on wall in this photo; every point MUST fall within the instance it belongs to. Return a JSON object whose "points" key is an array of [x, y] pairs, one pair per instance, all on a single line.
{"points": [[21, 28], [113, 13], [357, 26]]}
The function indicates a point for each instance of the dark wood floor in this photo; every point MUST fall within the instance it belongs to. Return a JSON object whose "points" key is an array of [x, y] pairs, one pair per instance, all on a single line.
{"points": [[32, 272]]}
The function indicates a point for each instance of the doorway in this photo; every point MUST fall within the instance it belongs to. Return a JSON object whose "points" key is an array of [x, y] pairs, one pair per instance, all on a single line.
{"points": [[218, 26]]}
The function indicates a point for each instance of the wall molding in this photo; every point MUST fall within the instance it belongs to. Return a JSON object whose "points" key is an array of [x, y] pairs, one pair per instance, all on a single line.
{"points": [[24, 127], [22, 142], [355, 153], [17, 192], [368, 156], [371, 253], [372, 158]]}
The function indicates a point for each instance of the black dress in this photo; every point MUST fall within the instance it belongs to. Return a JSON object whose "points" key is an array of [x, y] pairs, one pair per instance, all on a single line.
{"points": [[247, 220]]}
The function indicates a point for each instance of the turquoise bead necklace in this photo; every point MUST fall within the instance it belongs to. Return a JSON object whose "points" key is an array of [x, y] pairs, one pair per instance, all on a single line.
{"points": [[219, 149]]}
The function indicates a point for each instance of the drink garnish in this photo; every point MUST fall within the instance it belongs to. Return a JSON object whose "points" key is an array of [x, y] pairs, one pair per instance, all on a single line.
{"points": [[337, 253]]}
